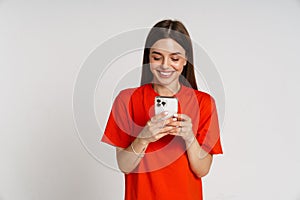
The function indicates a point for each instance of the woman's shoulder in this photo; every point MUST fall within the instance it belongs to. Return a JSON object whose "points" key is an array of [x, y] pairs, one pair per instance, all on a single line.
{"points": [[202, 96], [199, 93], [205, 98], [129, 92]]}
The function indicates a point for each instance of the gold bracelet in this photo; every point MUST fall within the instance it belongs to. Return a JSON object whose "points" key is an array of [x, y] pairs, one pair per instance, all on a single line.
{"points": [[140, 155]]}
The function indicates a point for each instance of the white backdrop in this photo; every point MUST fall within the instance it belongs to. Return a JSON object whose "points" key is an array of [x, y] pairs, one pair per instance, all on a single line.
{"points": [[255, 46]]}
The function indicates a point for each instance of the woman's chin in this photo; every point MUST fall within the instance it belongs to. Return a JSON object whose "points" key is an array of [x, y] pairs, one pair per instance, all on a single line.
{"points": [[164, 82]]}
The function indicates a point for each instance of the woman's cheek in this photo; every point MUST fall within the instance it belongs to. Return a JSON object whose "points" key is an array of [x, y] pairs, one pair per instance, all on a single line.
{"points": [[178, 66], [153, 66]]}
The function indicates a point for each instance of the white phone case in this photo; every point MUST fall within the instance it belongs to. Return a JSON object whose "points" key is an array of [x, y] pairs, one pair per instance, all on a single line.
{"points": [[169, 104]]}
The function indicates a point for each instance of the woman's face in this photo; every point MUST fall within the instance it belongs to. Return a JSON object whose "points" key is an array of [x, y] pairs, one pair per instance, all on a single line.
{"points": [[167, 59]]}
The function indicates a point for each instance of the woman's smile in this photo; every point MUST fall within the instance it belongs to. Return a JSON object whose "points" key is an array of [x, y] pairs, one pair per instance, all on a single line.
{"points": [[165, 74]]}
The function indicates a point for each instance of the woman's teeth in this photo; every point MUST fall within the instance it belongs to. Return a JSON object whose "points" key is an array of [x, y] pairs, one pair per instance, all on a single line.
{"points": [[165, 73]]}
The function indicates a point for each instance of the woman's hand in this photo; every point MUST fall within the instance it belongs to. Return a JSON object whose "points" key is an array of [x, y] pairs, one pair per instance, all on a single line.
{"points": [[183, 127], [156, 128]]}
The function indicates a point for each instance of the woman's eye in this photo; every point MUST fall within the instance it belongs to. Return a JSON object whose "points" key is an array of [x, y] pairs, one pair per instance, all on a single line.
{"points": [[175, 59], [156, 58]]}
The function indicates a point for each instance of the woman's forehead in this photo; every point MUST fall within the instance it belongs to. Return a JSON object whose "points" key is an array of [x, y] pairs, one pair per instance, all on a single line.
{"points": [[167, 45]]}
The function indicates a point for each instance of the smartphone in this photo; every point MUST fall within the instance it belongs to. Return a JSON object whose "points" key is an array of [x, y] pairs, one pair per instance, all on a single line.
{"points": [[169, 104]]}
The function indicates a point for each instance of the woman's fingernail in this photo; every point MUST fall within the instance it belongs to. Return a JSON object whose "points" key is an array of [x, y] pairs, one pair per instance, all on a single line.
{"points": [[174, 119], [175, 115], [165, 112]]}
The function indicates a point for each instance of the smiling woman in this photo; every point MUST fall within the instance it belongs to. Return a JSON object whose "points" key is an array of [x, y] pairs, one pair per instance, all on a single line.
{"points": [[164, 157]]}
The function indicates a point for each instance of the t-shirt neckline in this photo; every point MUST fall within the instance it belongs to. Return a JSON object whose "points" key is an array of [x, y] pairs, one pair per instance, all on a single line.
{"points": [[179, 92]]}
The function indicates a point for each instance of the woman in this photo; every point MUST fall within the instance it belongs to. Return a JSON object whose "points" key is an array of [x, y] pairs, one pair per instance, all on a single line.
{"points": [[164, 158]]}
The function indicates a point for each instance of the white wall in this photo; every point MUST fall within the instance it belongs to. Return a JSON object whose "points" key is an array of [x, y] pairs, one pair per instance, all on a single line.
{"points": [[255, 46]]}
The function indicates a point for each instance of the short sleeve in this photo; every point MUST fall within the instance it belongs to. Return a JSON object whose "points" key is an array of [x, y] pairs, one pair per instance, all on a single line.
{"points": [[119, 125], [208, 134]]}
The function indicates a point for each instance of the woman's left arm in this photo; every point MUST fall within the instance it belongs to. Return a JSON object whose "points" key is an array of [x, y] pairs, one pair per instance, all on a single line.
{"points": [[200, 161]]}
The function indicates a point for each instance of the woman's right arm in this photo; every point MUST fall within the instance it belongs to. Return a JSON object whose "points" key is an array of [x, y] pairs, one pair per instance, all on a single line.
{"points": [[128, 158]]}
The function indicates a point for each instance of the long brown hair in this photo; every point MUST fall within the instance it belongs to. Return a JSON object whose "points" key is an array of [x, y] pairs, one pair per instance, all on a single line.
{"points": [[175, 30]]}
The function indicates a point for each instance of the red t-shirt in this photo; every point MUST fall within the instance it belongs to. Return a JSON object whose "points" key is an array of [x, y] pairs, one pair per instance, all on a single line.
{"points": [[164, 171]]}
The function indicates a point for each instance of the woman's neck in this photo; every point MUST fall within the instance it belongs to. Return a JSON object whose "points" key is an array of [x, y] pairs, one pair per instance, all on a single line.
{"points": [[166, 91]]}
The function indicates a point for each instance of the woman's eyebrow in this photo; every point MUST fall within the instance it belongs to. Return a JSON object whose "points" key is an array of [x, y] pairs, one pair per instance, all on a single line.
{"points": [[156, 52]]}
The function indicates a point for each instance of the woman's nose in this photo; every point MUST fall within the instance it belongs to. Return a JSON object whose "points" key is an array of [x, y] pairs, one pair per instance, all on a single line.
{"points": [[165, 63]]}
